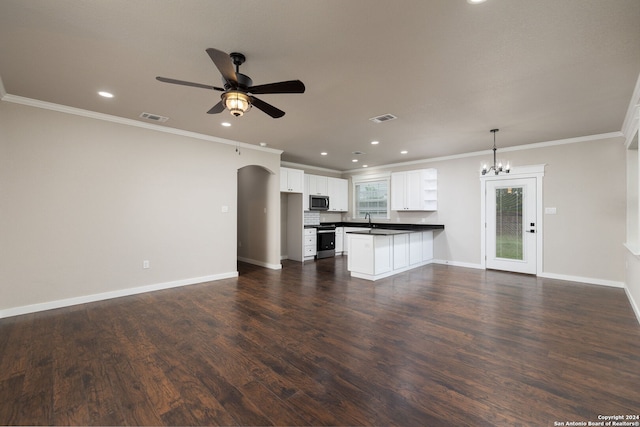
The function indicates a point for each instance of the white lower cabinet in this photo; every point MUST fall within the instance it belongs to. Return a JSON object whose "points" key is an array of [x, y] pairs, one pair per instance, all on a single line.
{"points": [[416, 248], [310, 243], [427, 245], [376, 256], [400, 251]]}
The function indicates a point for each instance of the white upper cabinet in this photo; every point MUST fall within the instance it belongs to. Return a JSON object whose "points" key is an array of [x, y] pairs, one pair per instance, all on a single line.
{"points": [[414, 190], [338, 191], [318, 185], [291, 180], [336, 188]]}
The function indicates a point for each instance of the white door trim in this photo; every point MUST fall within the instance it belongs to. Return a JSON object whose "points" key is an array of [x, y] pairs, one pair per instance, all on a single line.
{"points": [[533, 171]]}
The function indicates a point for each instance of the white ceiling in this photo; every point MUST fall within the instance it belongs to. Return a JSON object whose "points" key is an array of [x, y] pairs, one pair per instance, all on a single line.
{"points": [[540, 70]]}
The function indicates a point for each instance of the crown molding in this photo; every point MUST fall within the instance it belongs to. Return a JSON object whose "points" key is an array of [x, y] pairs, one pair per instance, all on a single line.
{"points": [[128, 122], [535, 145], [301, 166]]}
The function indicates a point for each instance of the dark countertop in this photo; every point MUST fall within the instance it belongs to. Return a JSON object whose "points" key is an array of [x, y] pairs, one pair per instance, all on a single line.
{"points": [[381, 232], [389, 226]]}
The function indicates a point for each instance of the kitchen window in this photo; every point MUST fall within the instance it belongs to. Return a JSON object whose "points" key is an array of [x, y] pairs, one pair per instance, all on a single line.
{"points": [[371, 195]]}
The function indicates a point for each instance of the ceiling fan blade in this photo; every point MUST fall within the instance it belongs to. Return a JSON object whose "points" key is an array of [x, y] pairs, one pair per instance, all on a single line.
{"points": [[183, 83], [267, 108], [224, 64], [290, 86], [218, 108]]}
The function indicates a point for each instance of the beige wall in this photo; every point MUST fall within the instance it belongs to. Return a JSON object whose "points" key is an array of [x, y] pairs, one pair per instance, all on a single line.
{"points": [[83, 202], [584, 239]]}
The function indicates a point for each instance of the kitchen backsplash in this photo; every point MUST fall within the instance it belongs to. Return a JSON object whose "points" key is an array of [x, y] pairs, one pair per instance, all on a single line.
{"points": [[311, 218]]}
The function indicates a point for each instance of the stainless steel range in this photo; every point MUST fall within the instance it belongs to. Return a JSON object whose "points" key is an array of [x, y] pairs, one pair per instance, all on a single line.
{"points": [[326, 238]]}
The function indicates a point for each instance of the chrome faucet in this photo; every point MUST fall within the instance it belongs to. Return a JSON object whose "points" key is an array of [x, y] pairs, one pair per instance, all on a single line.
{"points": [[367, 214]]}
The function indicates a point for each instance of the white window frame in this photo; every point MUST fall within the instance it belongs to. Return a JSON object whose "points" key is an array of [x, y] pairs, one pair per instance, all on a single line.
{"points": [[357, 180]]}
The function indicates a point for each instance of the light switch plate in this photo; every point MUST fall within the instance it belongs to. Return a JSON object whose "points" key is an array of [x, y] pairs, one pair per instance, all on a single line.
{"points": [[550, 211]]}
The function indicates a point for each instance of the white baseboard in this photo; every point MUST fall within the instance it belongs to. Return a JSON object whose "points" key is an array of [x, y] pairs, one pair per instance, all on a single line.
{"points": [[634, 305], [587, 280], [33, 308], [458, 264], [261, 263]]}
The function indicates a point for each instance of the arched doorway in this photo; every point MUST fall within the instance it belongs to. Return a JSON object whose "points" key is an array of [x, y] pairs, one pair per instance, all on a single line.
{"points": [[257, 214]]}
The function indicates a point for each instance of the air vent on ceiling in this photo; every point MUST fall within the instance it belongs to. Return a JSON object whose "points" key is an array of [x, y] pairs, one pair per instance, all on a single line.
{"points": [[154, 117], [383, 118]]}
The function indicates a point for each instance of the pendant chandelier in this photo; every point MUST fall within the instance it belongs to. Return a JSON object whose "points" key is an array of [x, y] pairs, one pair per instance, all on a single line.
{"points": [[497, 166]]}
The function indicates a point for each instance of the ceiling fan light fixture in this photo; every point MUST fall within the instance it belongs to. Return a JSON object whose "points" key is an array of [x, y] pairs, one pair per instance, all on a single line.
{"points": [[236, 102]]}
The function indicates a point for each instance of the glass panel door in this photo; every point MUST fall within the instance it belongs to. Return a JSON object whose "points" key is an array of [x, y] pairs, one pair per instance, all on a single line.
{"points": [[511, 225]]}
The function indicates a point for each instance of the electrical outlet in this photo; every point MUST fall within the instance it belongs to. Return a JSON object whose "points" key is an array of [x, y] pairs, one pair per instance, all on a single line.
{"points": [[145, 263]]}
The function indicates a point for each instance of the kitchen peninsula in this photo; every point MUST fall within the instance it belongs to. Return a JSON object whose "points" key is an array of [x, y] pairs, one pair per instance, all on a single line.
{"points": [[384, 250]]}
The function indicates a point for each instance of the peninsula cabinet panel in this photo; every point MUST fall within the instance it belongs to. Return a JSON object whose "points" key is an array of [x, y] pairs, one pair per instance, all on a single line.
{"points": [[427, 245], [414, 190], [347, 237], [415, 248], [400, 251], [380, 253]]}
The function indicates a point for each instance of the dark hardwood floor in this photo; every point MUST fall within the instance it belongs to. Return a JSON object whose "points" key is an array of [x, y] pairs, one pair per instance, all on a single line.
{"points": [[308, 345]]}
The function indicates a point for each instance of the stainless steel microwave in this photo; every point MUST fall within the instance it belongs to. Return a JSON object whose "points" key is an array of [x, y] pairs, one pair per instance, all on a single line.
{"points": [[318, 203]]}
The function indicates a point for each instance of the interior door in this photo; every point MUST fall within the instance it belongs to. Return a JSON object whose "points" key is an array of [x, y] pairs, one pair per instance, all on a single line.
{"points": [[511, 225]]}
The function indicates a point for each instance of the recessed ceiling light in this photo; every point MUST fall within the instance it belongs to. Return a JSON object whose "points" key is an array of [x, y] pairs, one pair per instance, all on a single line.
{"points": [[365, 166], [375, 142], [263, 144], [105, 94], [225, 124], [404, 152], [324, 153], [475, 1], [355, 160]]}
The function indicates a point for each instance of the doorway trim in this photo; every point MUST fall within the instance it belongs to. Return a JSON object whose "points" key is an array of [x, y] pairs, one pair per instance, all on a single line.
{"points": [[533, 171]]}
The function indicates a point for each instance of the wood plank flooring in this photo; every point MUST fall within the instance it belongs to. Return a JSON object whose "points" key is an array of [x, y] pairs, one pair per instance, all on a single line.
{"points": [[308, 345]]}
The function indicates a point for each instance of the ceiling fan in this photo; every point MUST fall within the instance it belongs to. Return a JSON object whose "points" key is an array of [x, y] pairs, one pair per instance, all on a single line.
{"points": [[238, 92]]}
